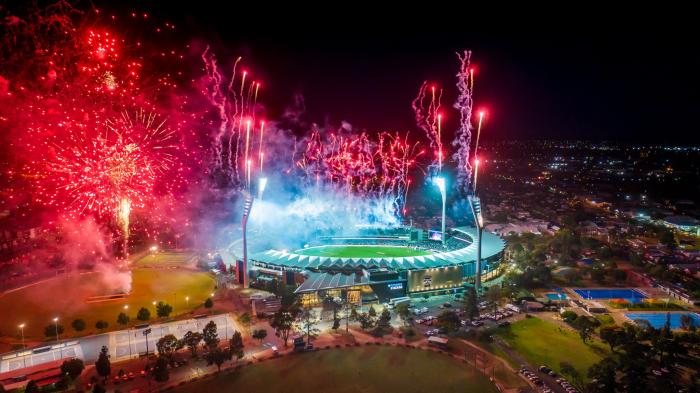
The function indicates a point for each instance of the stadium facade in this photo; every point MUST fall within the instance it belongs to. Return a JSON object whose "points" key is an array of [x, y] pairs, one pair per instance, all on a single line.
{"points": [[442, 268]]}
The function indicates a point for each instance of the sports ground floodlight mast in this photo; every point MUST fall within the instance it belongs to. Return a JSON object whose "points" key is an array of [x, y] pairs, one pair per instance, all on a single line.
{"points": [[440, 182], [247, 206]]}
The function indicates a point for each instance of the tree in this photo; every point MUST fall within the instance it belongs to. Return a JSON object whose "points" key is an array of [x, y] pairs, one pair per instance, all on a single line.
{"points": [[569, 316], [163, 310], [103, 365], [53, 330], [208, 303], [244, 319], [372, 312], [78, 325], [686, 322], [236, 345], [384, 322], [101, 325], [613, 336], [217, 356], [160, 369], [602, 375], [494, 295], [619, 275], [191, 341], [366, 321], [167, 345], [449, 320], [585, 327], [403, 312], [283, 322], [260, 334], [353, 314], [471, 306], [32, 387], [668, 239], [567, 369], [122, 319], [210, 336], [72, 368], [143, 314], [308, 321]]}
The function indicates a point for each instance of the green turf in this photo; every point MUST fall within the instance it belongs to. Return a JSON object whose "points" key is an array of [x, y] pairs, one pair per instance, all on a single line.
{"points": [[362, 251], [64, 297], [163, 259], [542, 342], [350, 370]]}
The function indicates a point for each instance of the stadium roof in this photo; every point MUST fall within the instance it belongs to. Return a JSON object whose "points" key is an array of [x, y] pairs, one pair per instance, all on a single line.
{"points": [[322, 281], [491, 245]]}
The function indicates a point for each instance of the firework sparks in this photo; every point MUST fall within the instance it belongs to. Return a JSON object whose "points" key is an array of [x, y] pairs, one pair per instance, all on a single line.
{"points": [[463, 136]]}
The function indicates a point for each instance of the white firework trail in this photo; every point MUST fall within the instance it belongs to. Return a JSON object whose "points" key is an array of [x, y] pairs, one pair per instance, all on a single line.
{"points": [[463, 136]]}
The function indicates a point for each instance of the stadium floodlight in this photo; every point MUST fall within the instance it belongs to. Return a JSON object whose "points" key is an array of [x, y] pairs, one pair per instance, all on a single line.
{"points": [[262, 183], [440, 183], [247, 207], [475, 205]]}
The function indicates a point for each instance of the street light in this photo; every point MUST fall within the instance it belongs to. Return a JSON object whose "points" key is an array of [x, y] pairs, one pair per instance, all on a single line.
{"points": [[55, 321], [440, 183], [24, 357]]}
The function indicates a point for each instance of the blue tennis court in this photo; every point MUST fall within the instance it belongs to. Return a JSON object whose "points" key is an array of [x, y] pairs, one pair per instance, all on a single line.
{"points": [[631, 295], [657, 320]]}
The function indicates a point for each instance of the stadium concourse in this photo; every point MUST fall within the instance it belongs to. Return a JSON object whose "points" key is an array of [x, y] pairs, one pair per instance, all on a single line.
{"points": [[379, 267]]}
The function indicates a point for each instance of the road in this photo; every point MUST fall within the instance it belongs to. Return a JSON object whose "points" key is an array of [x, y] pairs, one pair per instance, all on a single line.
{"points": [[122, 344]]}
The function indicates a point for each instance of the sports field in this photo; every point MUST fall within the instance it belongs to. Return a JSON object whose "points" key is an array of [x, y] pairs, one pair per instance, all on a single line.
{"points": [[345, 251], [164, 259], [374, 369], [65, 297], [543, 342]]}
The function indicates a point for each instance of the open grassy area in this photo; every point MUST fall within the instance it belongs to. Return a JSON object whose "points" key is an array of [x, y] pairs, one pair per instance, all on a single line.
{"points": [[65, 297], [543, 342], [349, 370], [362, 251], [164, 259]]}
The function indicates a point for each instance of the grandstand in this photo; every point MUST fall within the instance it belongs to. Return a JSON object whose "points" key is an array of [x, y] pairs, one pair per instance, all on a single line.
{"points": [[379, 266]]}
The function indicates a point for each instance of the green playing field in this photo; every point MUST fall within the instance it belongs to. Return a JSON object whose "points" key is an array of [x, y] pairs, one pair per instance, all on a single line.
{"points": [[346, 251]]}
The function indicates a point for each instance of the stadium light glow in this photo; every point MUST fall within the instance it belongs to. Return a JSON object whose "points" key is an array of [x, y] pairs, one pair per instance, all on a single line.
{"points": [[262, 183]]}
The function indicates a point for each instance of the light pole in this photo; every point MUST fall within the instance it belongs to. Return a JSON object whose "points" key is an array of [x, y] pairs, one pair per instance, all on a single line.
{"points": [[440, 182], [55, 321], [247, 206], [24, 357], [128, 331], [475, 205]]}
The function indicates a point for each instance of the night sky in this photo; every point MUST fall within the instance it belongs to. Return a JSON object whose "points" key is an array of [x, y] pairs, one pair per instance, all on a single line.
{"points": [[637, 84]]}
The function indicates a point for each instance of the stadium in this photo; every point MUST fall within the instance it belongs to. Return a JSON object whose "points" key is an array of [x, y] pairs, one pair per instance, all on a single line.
{"points": [[381, 265]]}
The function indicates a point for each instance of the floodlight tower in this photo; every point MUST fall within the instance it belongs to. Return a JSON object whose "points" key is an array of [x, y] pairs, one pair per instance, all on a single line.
{"points": [[247, 206], [440, 182], [475, 205]]}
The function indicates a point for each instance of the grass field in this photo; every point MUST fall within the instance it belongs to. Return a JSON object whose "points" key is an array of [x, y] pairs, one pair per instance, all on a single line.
{"points": [[163, 259], [65, 297], [362, 251], [350, 370], [542, 342]]}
